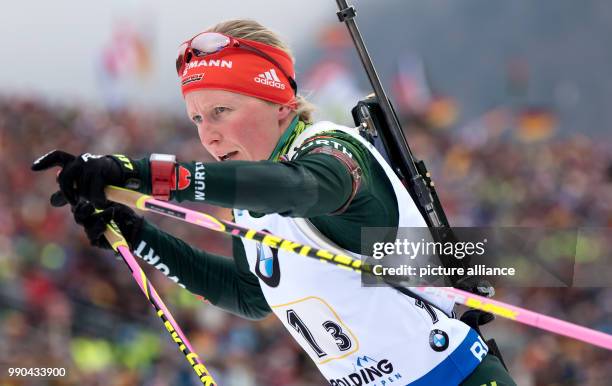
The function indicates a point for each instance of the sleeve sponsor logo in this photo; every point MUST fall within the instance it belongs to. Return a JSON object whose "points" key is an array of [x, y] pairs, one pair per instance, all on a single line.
{"points": [[148, 254], [184, 179], [199, 181]]}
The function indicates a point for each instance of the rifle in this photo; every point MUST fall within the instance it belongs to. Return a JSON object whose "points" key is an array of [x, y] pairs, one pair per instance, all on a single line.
{"points": [[378, 123]]}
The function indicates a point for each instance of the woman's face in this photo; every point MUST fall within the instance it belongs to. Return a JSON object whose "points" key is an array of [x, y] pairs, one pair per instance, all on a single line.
{"points": [[233, 126]]}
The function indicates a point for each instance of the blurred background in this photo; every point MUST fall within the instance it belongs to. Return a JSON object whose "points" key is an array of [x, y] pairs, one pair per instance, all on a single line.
{"points": [[508, 103]]}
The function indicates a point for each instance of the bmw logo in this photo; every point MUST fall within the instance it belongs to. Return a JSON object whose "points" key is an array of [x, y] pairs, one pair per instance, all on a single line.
{"points": [[438, 340]]}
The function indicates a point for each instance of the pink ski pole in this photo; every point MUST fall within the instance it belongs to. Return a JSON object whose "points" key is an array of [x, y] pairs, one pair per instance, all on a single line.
{"points": [[118, 243], [521, 315]]}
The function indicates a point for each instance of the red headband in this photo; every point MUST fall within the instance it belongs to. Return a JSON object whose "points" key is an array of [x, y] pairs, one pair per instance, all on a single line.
{"points": [[239, 70]]}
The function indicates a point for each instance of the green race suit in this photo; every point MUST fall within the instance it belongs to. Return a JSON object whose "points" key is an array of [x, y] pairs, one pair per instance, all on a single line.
{"points": [[331, 180], [314, 185]]}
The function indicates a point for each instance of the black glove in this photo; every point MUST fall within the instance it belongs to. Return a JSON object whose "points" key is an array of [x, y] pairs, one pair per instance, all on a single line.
{"points": [[87, 175], [129, 223]]}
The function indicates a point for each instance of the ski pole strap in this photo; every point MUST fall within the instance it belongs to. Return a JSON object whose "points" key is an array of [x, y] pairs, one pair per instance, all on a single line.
{"points": [[119, 244]]}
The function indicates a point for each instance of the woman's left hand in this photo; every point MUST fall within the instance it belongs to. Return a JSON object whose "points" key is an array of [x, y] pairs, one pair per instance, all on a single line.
{"points": [[95, 223]]}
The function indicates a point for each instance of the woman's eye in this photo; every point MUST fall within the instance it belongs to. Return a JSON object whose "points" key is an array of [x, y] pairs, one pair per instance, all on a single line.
{"points": [[196, 119], [219, 110]]}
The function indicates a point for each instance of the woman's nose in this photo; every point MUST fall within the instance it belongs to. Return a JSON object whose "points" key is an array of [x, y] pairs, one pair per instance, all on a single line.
{"points": [[209, 136]]}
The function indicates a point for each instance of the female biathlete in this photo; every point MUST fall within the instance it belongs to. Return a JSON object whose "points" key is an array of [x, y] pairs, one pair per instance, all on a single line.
{"points": [[313, 183]]}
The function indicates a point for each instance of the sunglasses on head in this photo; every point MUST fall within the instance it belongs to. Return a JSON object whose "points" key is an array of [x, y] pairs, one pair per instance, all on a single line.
{"points": [[208, 43]]}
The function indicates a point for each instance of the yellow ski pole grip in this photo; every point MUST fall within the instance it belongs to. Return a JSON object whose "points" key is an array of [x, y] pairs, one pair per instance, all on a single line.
{"points": [[126, 197]]}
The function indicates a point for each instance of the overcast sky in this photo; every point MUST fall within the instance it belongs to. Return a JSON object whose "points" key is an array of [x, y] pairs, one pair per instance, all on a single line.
{"points": [[53, 47]]}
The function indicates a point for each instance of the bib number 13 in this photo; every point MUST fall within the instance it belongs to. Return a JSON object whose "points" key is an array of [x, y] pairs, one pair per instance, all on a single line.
{"points": [[342, 340]]}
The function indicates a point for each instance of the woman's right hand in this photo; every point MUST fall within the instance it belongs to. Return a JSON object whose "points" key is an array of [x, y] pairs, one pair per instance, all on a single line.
{"points": [[87, 175]]}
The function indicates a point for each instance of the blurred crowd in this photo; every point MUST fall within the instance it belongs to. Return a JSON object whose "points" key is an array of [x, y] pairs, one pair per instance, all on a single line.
{"points": [[66, 304]]}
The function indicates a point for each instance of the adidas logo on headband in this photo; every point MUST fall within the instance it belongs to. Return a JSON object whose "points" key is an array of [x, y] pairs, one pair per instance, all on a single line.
{"points": [[270, 78]]}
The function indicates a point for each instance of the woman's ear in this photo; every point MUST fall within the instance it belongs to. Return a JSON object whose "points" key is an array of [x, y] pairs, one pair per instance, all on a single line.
{"points": [[283, 112]]}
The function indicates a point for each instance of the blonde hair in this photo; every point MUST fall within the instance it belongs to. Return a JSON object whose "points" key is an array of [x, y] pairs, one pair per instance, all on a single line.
{"points": [[252, 30]]}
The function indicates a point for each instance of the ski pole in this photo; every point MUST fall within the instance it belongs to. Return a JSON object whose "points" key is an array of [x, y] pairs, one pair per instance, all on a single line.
{"points": [[118, 243], [522, 315], [147, 203]]}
